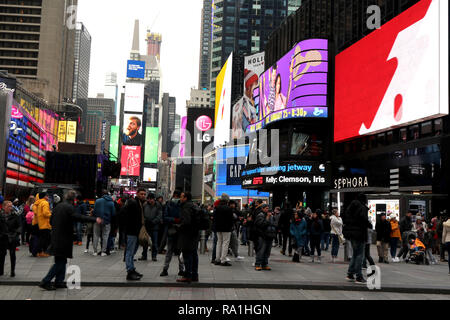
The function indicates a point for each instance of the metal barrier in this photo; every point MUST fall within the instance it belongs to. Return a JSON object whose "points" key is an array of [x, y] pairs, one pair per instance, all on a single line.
{"points": [[202, 242], [251, 252]]}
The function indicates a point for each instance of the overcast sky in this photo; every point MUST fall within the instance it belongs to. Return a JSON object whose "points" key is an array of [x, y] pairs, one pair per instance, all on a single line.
{"points": [[111, 24]]}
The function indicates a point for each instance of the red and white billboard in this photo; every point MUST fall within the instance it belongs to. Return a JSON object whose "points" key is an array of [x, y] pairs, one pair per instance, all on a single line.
{"points": [[131, 161], [396, 75]]}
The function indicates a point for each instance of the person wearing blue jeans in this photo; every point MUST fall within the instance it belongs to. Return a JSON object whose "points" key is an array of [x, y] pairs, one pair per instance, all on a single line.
{"points": [[214, 251], [334, 246], [132, 247], [153, 219], [355, 267], [325, 241], [263, 253], [191, 264]]}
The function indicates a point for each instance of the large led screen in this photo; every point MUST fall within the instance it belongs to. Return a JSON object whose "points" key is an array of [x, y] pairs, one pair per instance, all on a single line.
{"points": [[131, 161], [114, 143], [296, 86], [132, 129], [135, 69], [150, 174], [223, 104], [134, 97], [151, 145], [396, 75]]}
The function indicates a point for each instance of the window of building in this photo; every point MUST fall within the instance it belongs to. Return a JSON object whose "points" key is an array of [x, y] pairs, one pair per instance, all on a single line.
{"points": [[426, 129], [403, 135], [438, 126], [413, 132]]}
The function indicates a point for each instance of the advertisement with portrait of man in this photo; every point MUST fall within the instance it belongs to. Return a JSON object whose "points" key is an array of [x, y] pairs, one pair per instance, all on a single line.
{"points": [[132, 130]]}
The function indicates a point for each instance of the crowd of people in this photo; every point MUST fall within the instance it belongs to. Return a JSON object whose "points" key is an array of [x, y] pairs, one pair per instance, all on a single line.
{"points": [[173, 228]]}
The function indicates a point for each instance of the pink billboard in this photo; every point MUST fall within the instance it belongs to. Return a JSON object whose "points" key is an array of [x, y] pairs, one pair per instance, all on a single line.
{"points": [[131, 161]]}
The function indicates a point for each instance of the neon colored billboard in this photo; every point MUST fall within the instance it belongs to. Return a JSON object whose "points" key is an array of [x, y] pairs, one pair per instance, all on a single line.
{"points": [[151, 145], [223, 104], [135, 69], [114, 143], [398, 74], [131, 161]]}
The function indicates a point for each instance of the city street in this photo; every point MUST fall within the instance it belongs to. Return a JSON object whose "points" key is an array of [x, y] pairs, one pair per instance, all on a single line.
{"points": [[287, 280]]}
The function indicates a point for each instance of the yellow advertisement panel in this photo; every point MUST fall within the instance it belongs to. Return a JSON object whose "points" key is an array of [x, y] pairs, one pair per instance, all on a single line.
{"points": [[62, 128], [71, 131]]}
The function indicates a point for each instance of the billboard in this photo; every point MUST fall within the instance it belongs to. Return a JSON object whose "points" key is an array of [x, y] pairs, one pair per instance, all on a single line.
{"points": [[151, 145], [244, 111], [296, 86], [114, 143], [135, 69], [408, 58], [150, 174], [200, 130], [131, 161], [183, 136], [132, 129], [71, 131], [62, 129], [223, 104], [134, 97]]}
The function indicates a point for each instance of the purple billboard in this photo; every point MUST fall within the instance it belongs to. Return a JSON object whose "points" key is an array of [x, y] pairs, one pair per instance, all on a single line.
{"points": [[296, 86]]}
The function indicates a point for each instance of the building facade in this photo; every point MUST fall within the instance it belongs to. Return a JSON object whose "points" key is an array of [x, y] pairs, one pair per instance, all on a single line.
{"points": [[82, 62], [204, 74], [200, 98], [37, 46]]}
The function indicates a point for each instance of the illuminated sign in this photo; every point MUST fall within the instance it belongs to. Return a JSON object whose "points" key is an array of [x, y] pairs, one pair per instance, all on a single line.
{"points": [[151, 145], [71, 131], [114, 143], [131, 161], [62, 129], [135, 69], [398, 74], [15, 113], [203, 123], [223, 104]]}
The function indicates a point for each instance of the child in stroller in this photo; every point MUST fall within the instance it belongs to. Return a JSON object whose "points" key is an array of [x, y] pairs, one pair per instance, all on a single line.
{"points": [[417, 251]]}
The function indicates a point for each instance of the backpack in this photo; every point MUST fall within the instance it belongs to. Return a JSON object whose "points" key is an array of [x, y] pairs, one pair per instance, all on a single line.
{"points": [[200, 218]]}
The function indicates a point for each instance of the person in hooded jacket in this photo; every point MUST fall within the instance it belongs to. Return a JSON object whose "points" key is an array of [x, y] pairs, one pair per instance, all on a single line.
{"points": [[42, 216], [383, 229], [298, 232], [61, 246], [9, 236], [356, 223], [104, 209]]}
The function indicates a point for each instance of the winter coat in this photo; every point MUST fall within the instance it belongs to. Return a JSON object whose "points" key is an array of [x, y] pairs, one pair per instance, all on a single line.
{"points": [[284, 222], [42, 214], [298, 231], [132, 217], [326, 225], [395, 230], [336, 225], [223, 218], [171, 211], [265, 228], [420, 229], [11, 227], [188, 235], [29, 217], [383, 229], [153, 216], [405, 224], [446, 232], [316, 228], [104, 208], [65, 215], [356, 221]]}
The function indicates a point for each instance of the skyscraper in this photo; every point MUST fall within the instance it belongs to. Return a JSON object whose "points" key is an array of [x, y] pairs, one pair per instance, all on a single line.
{"points": [[82, 62], [243, 27], [205, 46], [154, 41], [167, 126], [37, 46], [111, 92]]}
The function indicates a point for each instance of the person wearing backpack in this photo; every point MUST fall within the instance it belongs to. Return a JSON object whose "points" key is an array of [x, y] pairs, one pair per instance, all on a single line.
{"points": [[188, 238]]}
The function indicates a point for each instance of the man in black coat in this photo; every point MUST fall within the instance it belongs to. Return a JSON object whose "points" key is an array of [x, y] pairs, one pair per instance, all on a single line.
{"points": [[356, 222], [153, 219], [405, 227], [266, 231], [223, 217], [383, 229], [61, 246], [188, 239], [134, 215], [9, 236]]}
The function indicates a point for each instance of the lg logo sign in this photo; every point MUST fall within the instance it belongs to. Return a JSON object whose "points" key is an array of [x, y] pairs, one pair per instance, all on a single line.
{"points": [[203, 124]]}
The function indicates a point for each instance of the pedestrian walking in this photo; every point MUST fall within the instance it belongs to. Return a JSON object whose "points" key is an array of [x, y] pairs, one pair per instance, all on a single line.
{"points": [[440, 229], [356, 222], [234, 239], [188, 239], [298, 232], [367, 256], [89, 230], [337, 238], [133, 217], [266, 231], [316, 232], [396, 237], [104, 209], [284, 225], [28, 218], [325, 241], [42, 215], [224, 225], [9, 236], [153, 219], [61, 246], [172, 220], [80, 207], [383, 229], [428, 241]]}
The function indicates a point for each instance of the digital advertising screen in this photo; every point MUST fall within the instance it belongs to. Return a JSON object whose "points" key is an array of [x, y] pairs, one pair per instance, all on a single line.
{"points": [[199, 129], [398, 74], [71, 135], [223, 104], [62, 129], [151, 145], [132, 129], [183, 136], [296, 86], [134, 97], [135, 69], [114, 143], [150, 174], [131, 161]]}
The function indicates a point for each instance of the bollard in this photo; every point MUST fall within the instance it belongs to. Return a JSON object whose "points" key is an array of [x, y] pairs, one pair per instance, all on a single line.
{"points": [[202, 242], [250, 248], [346, 251]]}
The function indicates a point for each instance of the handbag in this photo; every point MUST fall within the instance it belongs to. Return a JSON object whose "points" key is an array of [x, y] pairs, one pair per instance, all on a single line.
{"points": [[144, 238]]}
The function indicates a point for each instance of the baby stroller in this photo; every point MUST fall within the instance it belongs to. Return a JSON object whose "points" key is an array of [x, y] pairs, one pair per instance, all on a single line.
{"points": [[417, 251]]}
